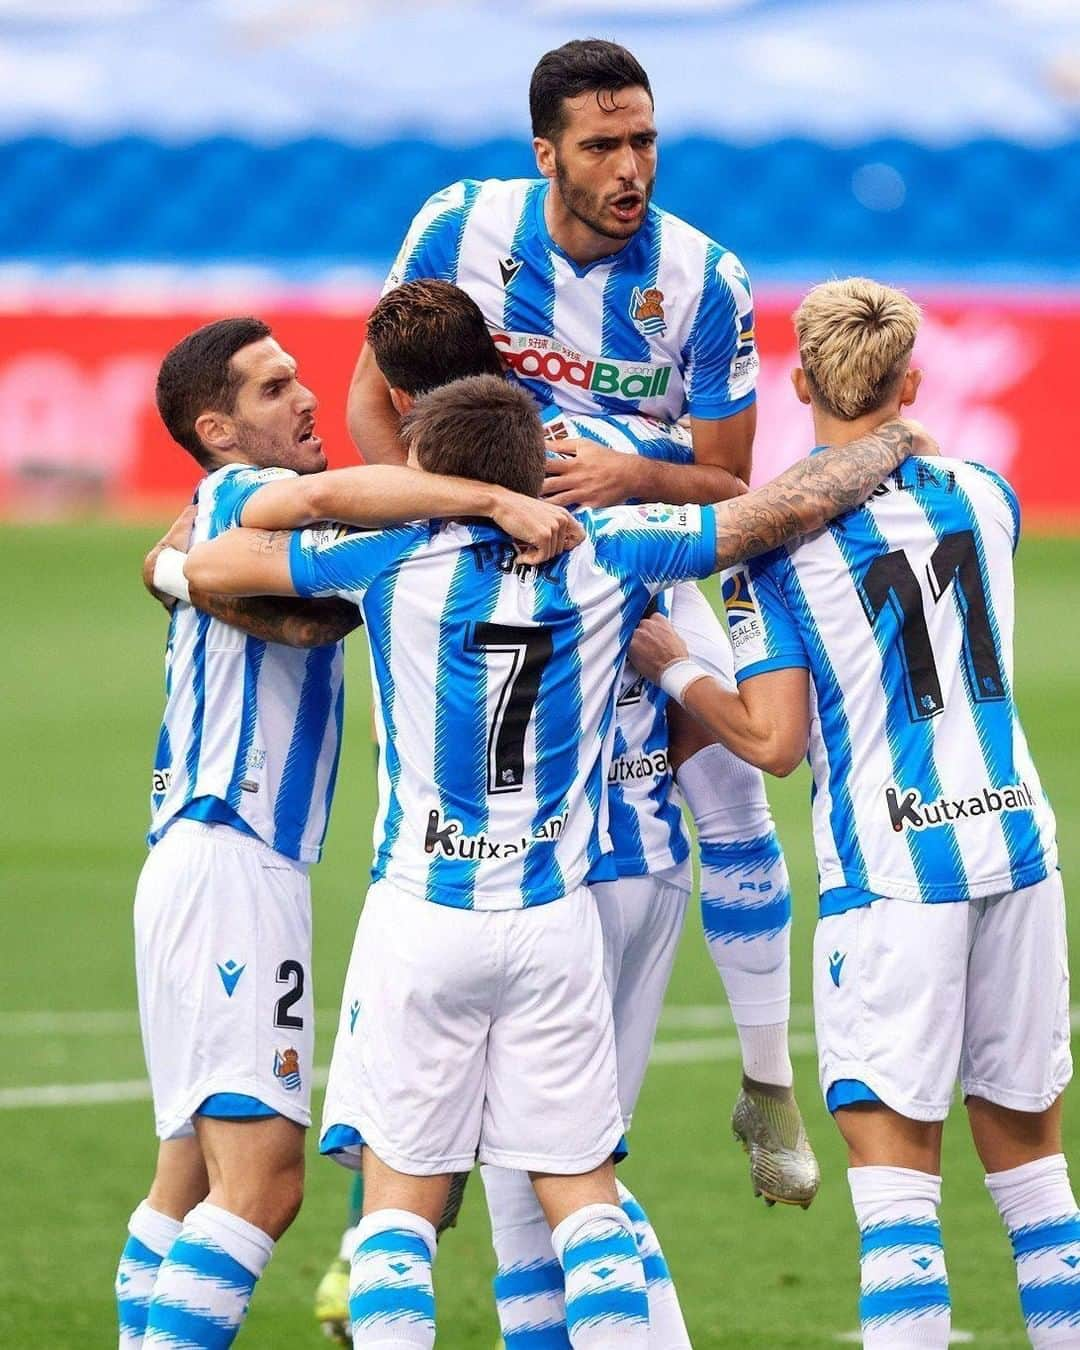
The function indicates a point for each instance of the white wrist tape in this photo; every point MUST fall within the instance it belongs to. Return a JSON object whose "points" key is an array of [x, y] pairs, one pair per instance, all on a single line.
{"points": [[677, 678], [169, 576]]}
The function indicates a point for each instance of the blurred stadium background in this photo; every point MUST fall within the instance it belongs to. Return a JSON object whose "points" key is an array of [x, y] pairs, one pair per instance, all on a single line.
{"points": [[163, 162]]}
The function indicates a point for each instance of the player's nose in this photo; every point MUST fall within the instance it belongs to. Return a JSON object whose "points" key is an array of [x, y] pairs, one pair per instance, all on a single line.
{"points": [[307, 402], [627, 164]]}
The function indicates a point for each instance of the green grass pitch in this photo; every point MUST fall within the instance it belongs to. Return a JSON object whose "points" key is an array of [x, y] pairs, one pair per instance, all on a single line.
{"points": [[82, 696]]}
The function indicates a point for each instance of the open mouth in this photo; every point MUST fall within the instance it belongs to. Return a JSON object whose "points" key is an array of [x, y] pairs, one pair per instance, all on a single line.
{"points": [[628, 206], [308, 437]]}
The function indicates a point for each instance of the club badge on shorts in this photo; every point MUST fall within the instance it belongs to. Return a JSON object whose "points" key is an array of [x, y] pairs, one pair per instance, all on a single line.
{"points": [[287, 1069]]}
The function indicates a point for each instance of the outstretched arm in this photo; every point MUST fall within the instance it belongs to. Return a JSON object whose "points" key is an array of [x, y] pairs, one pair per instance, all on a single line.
{"points": [[392, 494], [811, 493], [292, 622]]}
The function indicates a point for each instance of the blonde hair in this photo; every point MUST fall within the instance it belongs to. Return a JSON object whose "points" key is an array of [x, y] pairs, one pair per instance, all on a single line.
{"points": [[855, 340]]}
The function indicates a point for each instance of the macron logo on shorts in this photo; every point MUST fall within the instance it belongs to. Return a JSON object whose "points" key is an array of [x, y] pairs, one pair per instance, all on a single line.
{"points": [[836, 965], [230, 974]]}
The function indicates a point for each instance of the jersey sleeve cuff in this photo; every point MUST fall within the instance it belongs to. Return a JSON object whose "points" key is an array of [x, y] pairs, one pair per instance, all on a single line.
{"points": [[792, 661], [705, 562], [300, 566], [717, 410]]}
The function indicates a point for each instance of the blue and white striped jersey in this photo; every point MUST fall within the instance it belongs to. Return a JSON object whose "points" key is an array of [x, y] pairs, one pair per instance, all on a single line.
{"points": [[647, 830], [663, 326], [496, 691], [252, 729], [902, 611]]}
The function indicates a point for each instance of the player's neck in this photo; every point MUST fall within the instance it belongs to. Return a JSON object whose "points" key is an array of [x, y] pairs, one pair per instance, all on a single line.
{"points": [[576, 239], [829, 430]]}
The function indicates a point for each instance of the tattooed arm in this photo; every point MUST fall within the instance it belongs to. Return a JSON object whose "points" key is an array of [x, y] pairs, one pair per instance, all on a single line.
{"points": [[243, 562], [290, 621], [276, 618], [811, 493]]}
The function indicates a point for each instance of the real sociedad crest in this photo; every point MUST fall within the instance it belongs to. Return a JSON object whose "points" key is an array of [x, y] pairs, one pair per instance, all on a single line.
{"points": [[647, 311], [287, 1069]]}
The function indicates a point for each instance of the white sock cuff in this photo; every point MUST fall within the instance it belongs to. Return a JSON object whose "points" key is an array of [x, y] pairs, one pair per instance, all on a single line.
{"points": [[875, 1190], [245, 1243], [1033, 1191], [717, 783], [153, 1229], [383, 1220], [563, 1233]]}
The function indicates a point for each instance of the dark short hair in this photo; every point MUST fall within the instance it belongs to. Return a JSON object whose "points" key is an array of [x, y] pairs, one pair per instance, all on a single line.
{"points": [[482, 427], [197, 377], [424, 334], [585, 66]]}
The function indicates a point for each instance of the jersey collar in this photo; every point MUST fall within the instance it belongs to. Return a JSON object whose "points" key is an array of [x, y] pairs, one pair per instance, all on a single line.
{"points": [[544, 234]]}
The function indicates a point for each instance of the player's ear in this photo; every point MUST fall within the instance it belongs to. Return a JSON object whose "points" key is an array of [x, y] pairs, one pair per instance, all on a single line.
{"points": [[216, 431], [802, 389], [544, 150], [401, 400], [910, 388]]}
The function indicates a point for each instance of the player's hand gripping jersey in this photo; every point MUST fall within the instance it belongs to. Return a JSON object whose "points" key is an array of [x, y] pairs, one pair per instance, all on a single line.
{"points": [[252, 729], [902, 612], [497, 690], [663, 326]]}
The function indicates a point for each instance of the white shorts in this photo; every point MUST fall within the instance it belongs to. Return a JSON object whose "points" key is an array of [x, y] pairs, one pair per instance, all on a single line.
{"points": [[909, 997], [705, 635], [468, 1034], [641, 919], [223, 966]]}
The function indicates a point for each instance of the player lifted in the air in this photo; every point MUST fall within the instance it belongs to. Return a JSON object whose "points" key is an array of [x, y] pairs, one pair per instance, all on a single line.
{"points": [[885, 645], [609, 308], [475, 1018]]}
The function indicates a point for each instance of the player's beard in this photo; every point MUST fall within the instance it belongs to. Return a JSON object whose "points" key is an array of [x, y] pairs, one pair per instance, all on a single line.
{"points": [[588, 207], [267, 450]]}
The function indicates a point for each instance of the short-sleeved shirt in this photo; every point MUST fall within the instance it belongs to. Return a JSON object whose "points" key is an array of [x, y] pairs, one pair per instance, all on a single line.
{"points": [[662, 327], [252, 730], [496, 691], [902, 612]]}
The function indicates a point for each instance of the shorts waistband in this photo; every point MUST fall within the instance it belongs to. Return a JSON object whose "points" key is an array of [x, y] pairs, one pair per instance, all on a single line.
{"points": [[230, 837]]}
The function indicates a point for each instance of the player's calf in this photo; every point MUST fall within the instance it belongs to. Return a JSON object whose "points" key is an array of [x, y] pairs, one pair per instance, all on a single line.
{"points": [[180, 1182], [391, 1294], [1028, 1179], [606, 1299], [895, 1189]]}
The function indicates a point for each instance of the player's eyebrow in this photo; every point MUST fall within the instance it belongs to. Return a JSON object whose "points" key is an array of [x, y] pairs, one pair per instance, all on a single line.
{"points": [[282, 372]]}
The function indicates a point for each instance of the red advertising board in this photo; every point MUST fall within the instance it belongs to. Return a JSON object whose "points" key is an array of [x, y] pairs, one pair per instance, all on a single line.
{"points": [[79, 430]]}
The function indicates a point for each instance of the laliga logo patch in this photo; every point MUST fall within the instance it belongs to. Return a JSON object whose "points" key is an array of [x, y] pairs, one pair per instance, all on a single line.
{"points": [[655, 514], [647, 311], [287, 1069]]}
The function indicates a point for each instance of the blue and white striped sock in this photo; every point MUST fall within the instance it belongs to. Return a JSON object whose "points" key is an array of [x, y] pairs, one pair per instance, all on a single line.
{"points": [[905, 1290], [1037, 1205], [528, 1285], [745, 904], [667, 1326], [206, 1280], [150, 1235], [606, 1301], [391, 1296]]}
